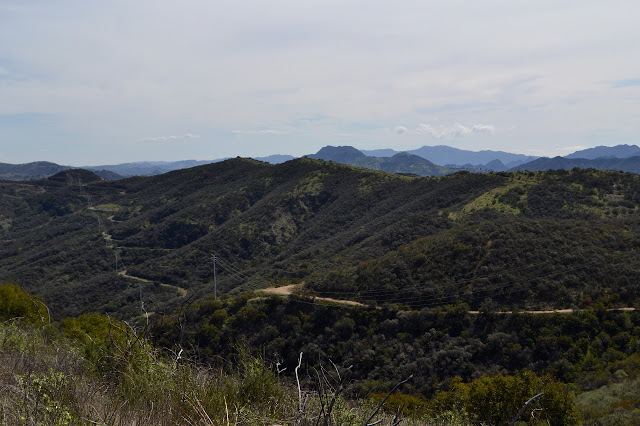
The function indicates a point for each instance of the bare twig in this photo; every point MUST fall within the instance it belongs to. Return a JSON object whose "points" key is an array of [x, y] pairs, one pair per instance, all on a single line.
{"points": [[340, 388], [524, 407], [35, 304], [385, 400], [324, 380], [111, 335], [200, 411], [395, 421], [322, 394], [278, 369], [298, 381], [336, 368]]}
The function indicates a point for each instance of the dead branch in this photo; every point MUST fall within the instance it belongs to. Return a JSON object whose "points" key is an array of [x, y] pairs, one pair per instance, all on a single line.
{"points": [[524, 407], [385, 400], [300, 406], [340, 388], [395, 421]]}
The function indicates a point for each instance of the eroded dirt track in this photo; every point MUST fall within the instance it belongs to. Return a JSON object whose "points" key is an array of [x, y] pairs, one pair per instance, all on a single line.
{"points": [[289, 289], [181, 290]]}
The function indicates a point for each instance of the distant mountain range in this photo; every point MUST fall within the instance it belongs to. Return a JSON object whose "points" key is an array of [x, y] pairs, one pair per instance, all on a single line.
{"points": [[149, 168], [402, 162], [426, 161], [44, 169], [29, 171], [152, 168], [618, 151], [630, 164], [275, 159], [445, 155]]}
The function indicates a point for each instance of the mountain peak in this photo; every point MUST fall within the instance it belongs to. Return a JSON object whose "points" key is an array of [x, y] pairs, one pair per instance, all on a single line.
{"points": [[338, 154], [74, 176], [405, 156], [618, 151]]}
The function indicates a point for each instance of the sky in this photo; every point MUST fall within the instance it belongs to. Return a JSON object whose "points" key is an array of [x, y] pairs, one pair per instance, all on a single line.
{"points": [[90, 83]]}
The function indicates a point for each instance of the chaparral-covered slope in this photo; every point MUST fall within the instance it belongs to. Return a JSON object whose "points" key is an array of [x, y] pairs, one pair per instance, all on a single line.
{"points": [[522, 239]]}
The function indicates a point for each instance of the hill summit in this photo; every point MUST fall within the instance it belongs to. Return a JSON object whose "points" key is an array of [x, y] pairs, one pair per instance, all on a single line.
{"points": [[618, 151], [338, 154], [403, 162]]}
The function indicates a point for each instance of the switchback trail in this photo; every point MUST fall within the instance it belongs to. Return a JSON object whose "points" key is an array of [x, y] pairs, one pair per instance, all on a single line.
{"points": [[181, 290]]}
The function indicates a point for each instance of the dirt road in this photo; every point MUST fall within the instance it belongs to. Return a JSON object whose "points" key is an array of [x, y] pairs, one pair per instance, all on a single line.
{"points": [[181, 290], [288, 289]]}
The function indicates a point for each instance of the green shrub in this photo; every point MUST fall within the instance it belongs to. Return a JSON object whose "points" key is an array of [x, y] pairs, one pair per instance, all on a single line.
{"points": [[44, 396], [16, 303], [119, 356], [496, 400], [406, 404]]}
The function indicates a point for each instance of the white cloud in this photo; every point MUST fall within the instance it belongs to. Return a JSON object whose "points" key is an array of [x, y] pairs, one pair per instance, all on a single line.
{"points": [[261, 132], [169, 138], [400, 130], [454, 131], [137, 64], [483, 128]]}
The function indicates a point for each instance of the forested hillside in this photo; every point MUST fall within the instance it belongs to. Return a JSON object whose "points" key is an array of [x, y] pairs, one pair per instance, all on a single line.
{"points": [[526, 240], [539, 241], [446, 270], [274, 222], [35, 170]]}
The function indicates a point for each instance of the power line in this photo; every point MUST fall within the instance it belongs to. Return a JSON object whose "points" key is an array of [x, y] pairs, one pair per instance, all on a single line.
{"points": [[215, 282], [373, 293], [459, 294]]}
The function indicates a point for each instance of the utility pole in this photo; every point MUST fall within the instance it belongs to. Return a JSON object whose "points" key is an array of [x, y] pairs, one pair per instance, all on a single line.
{"points": [[215, 282]]}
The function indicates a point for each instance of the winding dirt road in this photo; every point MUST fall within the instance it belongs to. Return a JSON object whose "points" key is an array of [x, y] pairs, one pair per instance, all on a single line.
{"points": [[181, 290], [288, 289]]}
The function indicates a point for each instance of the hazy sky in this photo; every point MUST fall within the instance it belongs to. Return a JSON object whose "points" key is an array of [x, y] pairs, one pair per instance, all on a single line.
{"points": [[86, 83]]}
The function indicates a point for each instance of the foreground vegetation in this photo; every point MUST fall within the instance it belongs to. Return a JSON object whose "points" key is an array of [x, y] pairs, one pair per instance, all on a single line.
{"points": [[94, 368], [99, 370]]}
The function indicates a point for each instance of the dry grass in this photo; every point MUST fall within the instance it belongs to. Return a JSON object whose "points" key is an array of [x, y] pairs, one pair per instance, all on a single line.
{"points": [[49, 379]]}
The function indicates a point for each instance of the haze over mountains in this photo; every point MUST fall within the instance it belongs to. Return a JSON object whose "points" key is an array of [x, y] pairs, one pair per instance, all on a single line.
{"points": [[445, 155], [426, 161], [630, 164], [398, 163], [618, 151], [621, 157]]}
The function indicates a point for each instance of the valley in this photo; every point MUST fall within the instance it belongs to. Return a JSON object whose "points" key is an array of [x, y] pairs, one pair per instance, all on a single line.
{"points": [[319, 213], [467, 276]]}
